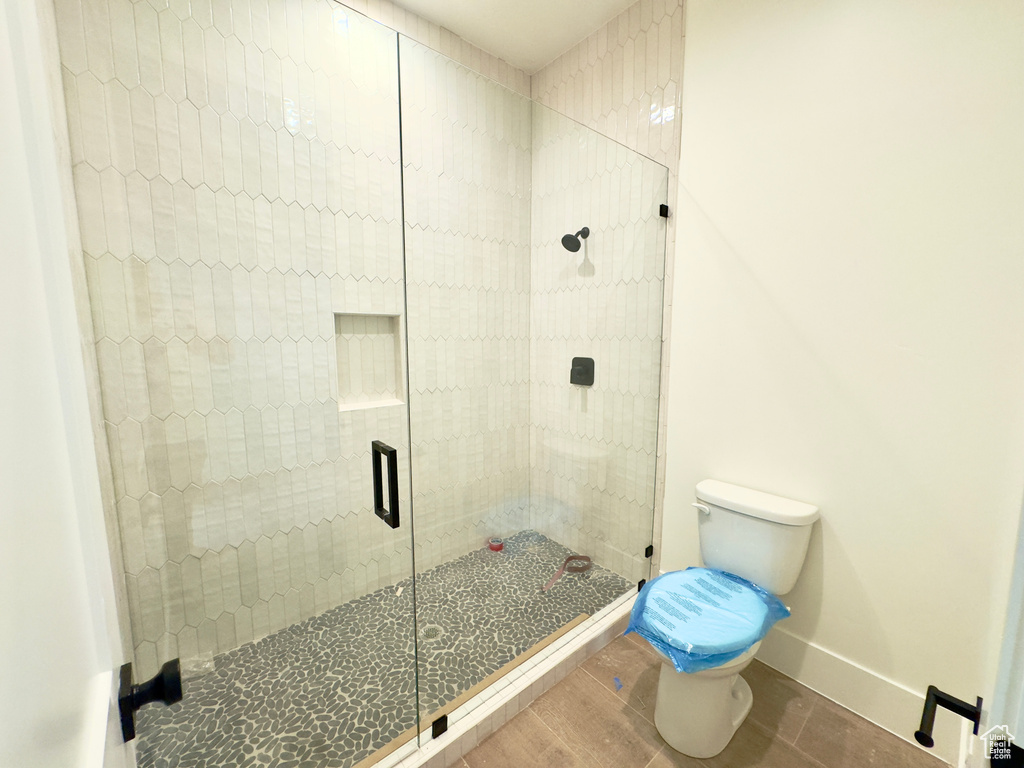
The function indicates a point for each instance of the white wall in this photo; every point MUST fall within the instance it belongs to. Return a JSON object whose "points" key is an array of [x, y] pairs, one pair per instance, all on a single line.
{"points": [[59, 640], [1007, 703], [848, 322]]}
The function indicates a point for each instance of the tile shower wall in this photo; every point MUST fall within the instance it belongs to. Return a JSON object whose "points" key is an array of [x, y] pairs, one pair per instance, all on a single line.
{"points": [[467, 144], [231, 203], [593, 448], [198, 137], [625, 80], [445, 42]]}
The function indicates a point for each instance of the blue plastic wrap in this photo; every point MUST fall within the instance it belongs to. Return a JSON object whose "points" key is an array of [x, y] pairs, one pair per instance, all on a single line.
{"points": [[701, 618]]}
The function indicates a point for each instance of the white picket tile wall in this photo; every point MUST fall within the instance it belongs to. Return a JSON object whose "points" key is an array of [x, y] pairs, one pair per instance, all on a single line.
{"points": [[233, 196], [467, 155], [593, 448], [446, 42], [625, 81], [369, 351], [236, 172]]}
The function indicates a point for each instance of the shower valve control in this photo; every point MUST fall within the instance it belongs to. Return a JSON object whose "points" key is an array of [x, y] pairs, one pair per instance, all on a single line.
{"points": [[164, 686], [582, 371]]}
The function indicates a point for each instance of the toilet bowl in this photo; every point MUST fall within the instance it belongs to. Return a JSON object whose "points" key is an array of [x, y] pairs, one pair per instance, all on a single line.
{"points": [[698, 713], [763, 539]]}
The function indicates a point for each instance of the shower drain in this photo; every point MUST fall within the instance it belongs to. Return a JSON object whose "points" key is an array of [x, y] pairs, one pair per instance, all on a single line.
{"points": [[430, 632]]}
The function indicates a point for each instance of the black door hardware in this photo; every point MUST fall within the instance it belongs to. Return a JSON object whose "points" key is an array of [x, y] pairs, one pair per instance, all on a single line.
{"points": [[390, 515], [439, 726], [937, 698], [663, 211], [649, 552], [165, 686]]}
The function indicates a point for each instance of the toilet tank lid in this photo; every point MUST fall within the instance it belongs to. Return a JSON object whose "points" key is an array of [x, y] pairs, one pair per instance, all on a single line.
{"points": [[756, 503]]}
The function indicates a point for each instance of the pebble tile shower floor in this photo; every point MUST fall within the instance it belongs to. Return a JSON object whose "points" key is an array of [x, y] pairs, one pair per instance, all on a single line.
{"points": [[329, 691]]}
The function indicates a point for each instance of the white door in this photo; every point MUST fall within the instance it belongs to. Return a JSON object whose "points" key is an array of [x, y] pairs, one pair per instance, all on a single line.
{"points": [[58, 633]]}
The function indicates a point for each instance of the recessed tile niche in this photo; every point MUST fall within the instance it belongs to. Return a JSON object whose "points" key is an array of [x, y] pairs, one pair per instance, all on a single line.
{"points": [[369, 362]]}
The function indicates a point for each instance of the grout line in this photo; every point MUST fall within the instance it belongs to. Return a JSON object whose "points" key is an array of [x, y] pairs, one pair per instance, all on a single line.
{"points": [[625, 701], [814, 706], [556, 736], [775, 737], [655, 757], [588, 673], [812, 760], [664, 751]]}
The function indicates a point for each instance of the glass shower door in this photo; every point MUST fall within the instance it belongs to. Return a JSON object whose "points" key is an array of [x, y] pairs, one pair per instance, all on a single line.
{"points": [[466, 156], [594, 446], [503, 445], [238, 181]]}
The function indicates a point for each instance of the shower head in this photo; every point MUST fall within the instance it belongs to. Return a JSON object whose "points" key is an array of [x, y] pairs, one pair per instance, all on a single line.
{"points": [[572, 243]]}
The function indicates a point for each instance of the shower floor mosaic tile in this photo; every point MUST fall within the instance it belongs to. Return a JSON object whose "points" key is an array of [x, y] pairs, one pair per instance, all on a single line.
{"points": [[330, 691]]}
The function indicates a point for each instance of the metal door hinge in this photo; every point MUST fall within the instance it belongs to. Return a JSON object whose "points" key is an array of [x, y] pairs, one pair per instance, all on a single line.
{"points": [[439, 726]]}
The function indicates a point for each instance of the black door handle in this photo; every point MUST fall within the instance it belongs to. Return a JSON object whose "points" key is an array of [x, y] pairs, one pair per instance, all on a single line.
{"points": [[389, 516]]}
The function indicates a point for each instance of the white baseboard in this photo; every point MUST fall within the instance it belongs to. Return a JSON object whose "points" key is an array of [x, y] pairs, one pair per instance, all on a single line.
{"points": [[972, 748], [884, 702]]}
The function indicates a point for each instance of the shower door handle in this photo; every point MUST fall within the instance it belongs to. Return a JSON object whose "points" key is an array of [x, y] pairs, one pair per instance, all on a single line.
{"points": [[389, 516]]}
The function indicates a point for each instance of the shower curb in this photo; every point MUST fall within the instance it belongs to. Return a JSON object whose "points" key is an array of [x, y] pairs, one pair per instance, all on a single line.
{"points": [[475, 720]]}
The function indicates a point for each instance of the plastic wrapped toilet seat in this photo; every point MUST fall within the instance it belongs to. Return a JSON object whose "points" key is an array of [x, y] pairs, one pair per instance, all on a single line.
{"points": [[701, 618]]}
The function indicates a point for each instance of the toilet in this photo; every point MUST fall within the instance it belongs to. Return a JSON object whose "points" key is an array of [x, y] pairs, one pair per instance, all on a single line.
{"points": [[761, 538]]}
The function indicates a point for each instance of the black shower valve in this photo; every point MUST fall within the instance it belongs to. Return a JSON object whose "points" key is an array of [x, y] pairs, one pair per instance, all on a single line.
{"points": [[164, 686], [582, 371]]}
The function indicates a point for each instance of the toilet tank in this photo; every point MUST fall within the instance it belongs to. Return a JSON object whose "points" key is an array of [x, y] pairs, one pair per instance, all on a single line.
{"points": [[756, 535]]}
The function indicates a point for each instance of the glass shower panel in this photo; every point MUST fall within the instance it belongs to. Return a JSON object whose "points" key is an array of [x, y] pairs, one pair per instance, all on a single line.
{"points": [[238, 181], [503, 446], [593, 449], [466, 157]]}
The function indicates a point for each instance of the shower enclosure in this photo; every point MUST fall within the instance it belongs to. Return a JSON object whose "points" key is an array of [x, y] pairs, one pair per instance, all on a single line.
{"points": [[335, 326]]}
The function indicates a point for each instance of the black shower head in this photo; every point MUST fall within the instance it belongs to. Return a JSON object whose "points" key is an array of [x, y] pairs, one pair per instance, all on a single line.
{"points": [[572, 243]]}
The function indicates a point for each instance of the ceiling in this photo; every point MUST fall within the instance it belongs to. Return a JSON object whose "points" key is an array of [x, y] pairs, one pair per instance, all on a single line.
{"points": [[528, 34]]}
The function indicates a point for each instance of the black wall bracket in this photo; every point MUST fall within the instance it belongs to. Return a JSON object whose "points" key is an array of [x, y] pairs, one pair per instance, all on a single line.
{"points": [[165, 686], [937, 698]]}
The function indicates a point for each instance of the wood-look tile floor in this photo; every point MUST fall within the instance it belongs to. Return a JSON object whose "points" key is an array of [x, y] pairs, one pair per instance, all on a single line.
{"points": [[587, 721]]}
